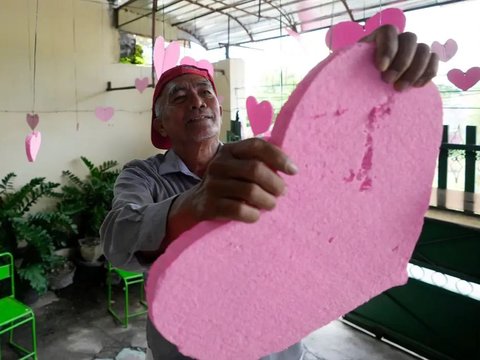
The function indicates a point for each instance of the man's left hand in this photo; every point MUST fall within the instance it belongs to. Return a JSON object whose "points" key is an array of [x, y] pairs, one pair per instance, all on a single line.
{"points": [[402, 61]]}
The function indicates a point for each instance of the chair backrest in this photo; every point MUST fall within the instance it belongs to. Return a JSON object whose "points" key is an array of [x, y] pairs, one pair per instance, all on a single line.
{"points": [[6, 272]]}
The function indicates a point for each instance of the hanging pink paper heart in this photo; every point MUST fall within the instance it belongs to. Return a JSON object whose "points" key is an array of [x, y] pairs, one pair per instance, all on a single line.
{"points": [[293, 34], [104, 113], [203, 64], [347, 33], [32, 121], [343, 233], [464, 81], [445, 52], [32, 145], [259, 115], [165, 58], [141, 84]]}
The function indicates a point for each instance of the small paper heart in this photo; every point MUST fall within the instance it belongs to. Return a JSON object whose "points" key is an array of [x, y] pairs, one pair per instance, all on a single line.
{"points": [[32, 145], [32, 121], [445, 52], [293, 33], [203, 64], [165, 58], [464, 81], [141, 84], [260, 115], [104, 113]]}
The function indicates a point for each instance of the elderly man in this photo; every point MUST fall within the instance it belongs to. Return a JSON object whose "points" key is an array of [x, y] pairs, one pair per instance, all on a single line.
{"points": [[198, 179]]}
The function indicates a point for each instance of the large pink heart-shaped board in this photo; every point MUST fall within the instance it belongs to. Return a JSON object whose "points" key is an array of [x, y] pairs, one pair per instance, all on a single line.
{"points": [[343, 233]]}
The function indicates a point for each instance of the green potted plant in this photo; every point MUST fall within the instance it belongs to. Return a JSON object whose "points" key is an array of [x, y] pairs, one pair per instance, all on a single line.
{"points": [[88, 201], [31, 236]]}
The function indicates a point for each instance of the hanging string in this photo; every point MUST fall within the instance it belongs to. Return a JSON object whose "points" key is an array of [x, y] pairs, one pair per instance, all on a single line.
{"points": [[35, 58], [331, 27], [74, 42]]}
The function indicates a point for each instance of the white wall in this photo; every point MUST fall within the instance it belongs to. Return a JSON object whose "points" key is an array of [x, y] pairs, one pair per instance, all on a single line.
{"points": [[77, 53]]}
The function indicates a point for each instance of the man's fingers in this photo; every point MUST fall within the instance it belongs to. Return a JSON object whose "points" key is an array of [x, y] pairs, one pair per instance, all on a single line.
{"points": [[430, 71], [407, 46], [263, 151], [236, 210], [386, 42], [416, 69], [253, 171], [242, 191]]}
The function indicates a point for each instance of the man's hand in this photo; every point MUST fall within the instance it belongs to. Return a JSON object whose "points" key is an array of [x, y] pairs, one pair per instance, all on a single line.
{"points": [[401, 60], [240, 182]]}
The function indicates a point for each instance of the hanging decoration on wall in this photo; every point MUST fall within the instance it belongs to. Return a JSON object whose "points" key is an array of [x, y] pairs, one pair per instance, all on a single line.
{"points": [[446, 51], [464, 80], [32, 121], [104, 113], [32, 145], [260, 115], [141, 84], [204, 64], [165, 58], [347, 33]]}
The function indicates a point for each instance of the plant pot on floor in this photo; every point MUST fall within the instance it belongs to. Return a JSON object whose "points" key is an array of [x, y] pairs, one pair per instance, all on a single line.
{"points": [[61, 276], [90, 249]]}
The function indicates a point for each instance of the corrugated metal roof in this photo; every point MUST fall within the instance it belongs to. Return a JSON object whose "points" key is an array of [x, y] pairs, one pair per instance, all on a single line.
{"points": [[217, 23]]}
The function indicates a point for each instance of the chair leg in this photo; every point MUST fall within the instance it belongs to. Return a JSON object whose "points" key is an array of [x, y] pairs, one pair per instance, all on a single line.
{"points": [[126, 304], [34, 338], [109, 290]]}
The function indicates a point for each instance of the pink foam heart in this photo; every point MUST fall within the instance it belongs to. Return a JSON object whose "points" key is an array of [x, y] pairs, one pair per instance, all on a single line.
{"points": [[260, 115], [343, 233], [347, 33], [165, 58], [446, 51], [32, 145], [204, 64], [32, 121], [463, 80], [104, 113], [141, 84]]}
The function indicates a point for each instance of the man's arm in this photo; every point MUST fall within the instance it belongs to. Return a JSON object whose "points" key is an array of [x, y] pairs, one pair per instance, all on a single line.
{"points": [[135, 223]]}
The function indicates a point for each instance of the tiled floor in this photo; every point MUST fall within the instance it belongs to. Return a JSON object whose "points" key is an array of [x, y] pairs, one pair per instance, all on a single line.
{"points": [[73, 324]]}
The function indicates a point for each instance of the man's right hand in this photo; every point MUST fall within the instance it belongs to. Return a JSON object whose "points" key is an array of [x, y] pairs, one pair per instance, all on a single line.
{"points": [[240, 182]]}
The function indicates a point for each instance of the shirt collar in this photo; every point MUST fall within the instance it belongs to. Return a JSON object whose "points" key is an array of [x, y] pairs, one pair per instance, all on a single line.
{"points": [[173, 164]]}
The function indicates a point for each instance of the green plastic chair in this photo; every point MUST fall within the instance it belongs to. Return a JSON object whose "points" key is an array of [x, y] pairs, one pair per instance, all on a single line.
{"points": [[128, 278], [13, 313]]}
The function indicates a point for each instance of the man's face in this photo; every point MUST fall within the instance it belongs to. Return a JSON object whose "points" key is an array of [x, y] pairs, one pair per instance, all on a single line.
{"points": [[190, 111]]}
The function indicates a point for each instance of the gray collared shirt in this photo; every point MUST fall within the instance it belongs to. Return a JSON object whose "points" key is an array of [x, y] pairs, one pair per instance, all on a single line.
{"points": [[143, 194]]}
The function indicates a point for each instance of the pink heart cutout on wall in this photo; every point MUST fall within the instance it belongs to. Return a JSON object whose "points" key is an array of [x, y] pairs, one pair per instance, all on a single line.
{"points": [[347, 33], [141, 84], [464, 81], [165, 58], [32, 145], [203, 64], [104, 113], [343, 233], [32, 121], [446, 51], [260, 115]]}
